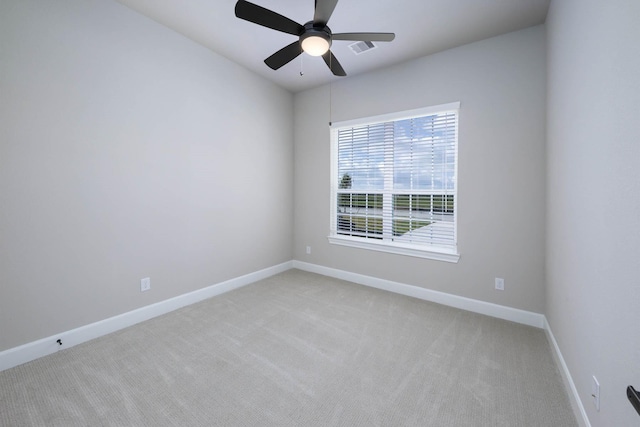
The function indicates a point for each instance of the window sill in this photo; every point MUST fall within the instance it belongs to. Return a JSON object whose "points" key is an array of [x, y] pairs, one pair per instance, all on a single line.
{"points": [[395, 248]]}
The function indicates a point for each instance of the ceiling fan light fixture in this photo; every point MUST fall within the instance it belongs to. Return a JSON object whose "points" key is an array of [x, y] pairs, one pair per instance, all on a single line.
{"points": [[314, 40], [315, 45]]}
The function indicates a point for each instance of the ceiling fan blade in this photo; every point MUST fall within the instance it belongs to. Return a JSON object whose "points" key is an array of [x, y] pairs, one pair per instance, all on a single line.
{"points": [[333, 64], [324, 9], [365, 37], [284, 55], [267, 18]]}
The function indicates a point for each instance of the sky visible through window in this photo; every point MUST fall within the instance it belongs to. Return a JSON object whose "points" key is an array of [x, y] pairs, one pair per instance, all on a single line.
{"points": [[422, 154]]}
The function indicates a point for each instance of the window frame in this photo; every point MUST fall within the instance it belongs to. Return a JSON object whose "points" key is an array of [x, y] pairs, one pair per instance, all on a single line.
{"points": [[429, 251]]}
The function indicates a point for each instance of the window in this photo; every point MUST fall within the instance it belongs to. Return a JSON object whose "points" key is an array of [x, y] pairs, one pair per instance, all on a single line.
{"points": [[394, 182]]}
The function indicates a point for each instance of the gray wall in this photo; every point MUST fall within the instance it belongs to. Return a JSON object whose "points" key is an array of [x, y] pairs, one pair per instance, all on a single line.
{"points": [[128, 151], [593, 198], [500, 83]]}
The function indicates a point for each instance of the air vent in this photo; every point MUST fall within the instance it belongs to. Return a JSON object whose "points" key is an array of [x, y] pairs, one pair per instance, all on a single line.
{"points": [[361, 47]]}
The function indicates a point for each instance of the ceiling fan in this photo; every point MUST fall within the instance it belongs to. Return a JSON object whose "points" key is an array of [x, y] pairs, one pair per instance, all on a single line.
{"points": [[314, 37]]}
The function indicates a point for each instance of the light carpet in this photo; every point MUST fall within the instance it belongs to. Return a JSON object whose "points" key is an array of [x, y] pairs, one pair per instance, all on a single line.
{"points": [[298, 349]]}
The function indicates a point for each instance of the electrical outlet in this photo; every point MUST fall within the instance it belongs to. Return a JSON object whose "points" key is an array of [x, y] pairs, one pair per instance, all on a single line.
{"points": [[499, 284], [308, 250], [595, 393], [145, 284]]}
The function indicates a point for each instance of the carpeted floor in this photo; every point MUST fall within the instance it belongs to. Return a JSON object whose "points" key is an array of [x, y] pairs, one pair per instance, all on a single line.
{"points": [[297, 349]]}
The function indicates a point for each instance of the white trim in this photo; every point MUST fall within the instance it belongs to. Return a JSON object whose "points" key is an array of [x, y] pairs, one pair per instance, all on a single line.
{"points": [[494, 310], [43, 347], [574, 397], [428, 250], [400, 115], [420, 252]]}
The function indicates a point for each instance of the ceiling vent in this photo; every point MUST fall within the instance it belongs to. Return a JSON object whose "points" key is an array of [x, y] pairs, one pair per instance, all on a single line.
{"points": [[361, 47]]}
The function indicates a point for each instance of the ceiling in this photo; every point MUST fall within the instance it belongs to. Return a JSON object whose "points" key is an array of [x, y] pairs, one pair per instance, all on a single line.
{"points": [[422, 27]]}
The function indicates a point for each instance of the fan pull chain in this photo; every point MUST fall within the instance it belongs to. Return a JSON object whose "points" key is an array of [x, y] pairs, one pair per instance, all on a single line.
{"points": [[301, 65], [330, 94]]}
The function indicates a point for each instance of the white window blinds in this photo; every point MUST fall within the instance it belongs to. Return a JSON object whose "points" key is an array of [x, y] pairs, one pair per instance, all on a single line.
{"points": [[394, 180]]}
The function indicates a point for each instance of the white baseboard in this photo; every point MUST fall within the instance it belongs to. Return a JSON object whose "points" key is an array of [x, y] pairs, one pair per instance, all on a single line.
{"points": [[574, 397], [489, 309], [33, 350], [43, 347], [481, 307]]}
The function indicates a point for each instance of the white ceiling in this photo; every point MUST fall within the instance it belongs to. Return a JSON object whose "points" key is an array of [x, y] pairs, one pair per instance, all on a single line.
{"points": [[422, 27]]}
